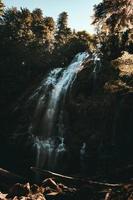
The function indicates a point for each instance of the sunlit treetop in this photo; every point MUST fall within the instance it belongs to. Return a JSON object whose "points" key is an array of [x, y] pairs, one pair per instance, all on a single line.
{"points": [[114, 16], [1, 7]]}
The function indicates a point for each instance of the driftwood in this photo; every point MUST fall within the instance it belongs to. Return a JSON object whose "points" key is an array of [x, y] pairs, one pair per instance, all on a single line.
{"points": [[72, 180]]}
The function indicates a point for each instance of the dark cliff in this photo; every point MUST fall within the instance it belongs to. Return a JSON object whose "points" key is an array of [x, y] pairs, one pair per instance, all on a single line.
{"points": [[98, 114]]}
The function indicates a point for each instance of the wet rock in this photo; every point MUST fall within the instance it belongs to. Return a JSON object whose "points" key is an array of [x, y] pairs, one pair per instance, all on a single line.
{"points": [[38, 196], [100, 114], [2, 196], [36, 189], [48, 190], [19, 190]]}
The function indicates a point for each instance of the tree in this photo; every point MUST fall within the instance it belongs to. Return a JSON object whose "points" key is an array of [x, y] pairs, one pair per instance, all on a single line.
{"points": [[62, 21], [114, 16], [1, 7], [43, 28], [25, 33], [63, 33], [49, 33], [38, 25], [37, 16], [17, 25], [11, 23], [85, 39], [113, 20]]}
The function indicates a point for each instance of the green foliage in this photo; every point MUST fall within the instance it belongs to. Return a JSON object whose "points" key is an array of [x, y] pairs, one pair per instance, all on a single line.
{"points": [[113, 16], [62, 21], [17, 25], [63, 32], [113, 44], [77, 42], [37, 16], [113, 20], [43, 29]]}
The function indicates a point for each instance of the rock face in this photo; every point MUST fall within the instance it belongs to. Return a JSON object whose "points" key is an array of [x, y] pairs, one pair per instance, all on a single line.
{"points": [[100, 113], [98, 120]]}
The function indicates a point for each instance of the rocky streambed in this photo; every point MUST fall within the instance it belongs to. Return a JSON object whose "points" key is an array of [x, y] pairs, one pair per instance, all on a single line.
{"points": [[59, 187]]}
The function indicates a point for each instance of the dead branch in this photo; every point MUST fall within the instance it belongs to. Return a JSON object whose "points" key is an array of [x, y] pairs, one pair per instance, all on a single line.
{"points": [[72, 180], [9, 177]]}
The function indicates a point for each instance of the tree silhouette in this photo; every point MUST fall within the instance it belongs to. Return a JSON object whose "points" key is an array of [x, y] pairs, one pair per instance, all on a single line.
{"points": [[63, 32]]}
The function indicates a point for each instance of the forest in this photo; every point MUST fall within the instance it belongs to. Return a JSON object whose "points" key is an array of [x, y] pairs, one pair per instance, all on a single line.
{"points": [[66, 105]]}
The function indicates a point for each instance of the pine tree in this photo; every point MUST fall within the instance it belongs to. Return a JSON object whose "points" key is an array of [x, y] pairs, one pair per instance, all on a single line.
{"points": [[11, 23], [25, 32], [37, 16], [49, 32], [17, 25], [63, 32], [43, 28]]}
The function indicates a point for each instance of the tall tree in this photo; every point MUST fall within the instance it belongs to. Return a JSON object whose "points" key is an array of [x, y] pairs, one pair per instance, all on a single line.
{"points": [[25, 32], [11, 23], [18, 25], [43, 28], [63, 31], [38, 25], [49, 32], [37, 16]]}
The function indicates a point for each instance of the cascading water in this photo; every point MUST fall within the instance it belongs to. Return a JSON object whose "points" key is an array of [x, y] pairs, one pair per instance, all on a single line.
{"points": [[50, 145], [97, 61]]}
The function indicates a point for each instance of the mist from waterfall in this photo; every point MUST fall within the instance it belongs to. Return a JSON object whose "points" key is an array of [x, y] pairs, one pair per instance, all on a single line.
{"points": [[50, 144]]}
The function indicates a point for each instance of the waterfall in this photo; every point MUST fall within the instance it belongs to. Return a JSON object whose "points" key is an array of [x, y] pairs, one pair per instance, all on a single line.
{"points": [[96, 57], [49, 112]]}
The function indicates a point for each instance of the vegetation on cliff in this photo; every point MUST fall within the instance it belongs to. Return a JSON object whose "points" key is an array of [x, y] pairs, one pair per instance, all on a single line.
{"points": [[113, 20]]}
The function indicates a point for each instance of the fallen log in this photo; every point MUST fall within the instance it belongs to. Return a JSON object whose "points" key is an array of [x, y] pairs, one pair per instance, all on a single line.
{"points": [[72, 180]]}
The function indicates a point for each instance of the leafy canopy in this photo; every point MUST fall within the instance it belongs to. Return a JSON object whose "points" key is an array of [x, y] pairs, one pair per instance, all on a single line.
{"points": [[112, 16]]}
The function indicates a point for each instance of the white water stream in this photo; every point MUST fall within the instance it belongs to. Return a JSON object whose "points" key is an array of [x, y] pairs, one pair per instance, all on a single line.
{"points": [[50, 146]]}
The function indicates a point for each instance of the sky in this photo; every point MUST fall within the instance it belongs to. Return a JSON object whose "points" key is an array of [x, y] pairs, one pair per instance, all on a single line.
{"points": [[79, 11]]}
